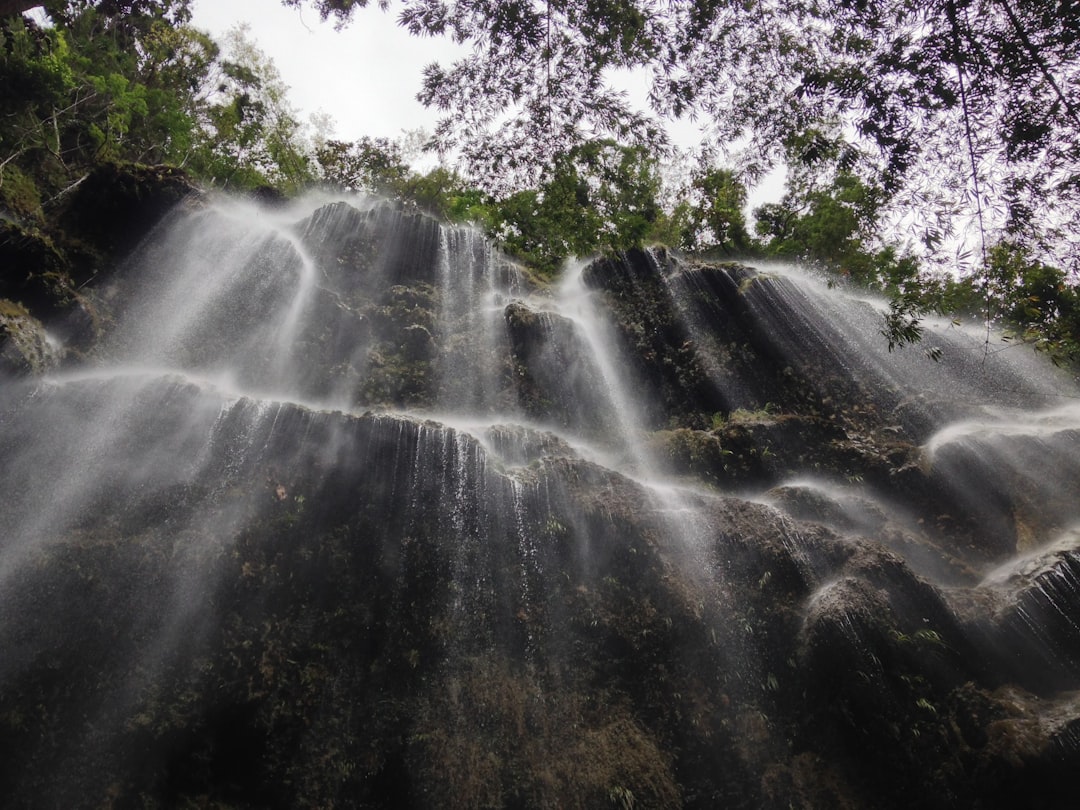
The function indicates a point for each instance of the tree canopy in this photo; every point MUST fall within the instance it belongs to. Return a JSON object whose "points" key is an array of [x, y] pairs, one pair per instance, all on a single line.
{"points": [[969, 109], [131, 81], [930, 120], [948, 123]]}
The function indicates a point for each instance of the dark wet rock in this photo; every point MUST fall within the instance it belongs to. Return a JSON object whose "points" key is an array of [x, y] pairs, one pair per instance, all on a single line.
{"points": [[808, 502], [339, 237], [268, 196], [104, 216], [874, 673], [221, 598], [34, 271], [1025, 616], [736, 346], [417, 343], [668, 372], [360, 605], [398, 362], [554, 377], [383, 241], [1011, 489], [36, 278], [1017, 746], [519, 445], [751, 450], [116, 205]]}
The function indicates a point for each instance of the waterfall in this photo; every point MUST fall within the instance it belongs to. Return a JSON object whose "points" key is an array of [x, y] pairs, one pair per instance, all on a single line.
{"points": [[347, 508]]}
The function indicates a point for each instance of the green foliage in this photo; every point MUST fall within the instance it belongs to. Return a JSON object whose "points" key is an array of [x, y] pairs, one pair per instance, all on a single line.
{"points": [[866, 111], [533, 226], [1030, 292], [37, 81], [903, 322], [96, 88], [828, 214], [598, 197], [367, 164], [622, 797], [380, 166], [249, 135], [922, 637], [129, 81], [976, 115], [824, 223], [766, 413], [1032, 302], [1037, 302], [717, 221]]}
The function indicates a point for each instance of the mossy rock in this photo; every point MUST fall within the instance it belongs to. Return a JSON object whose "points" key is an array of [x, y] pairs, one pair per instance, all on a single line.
{"points": [[19, 196], [749, 452], [654, 336], [395, 379], [404, 307], [553, 376], [24, 346]]}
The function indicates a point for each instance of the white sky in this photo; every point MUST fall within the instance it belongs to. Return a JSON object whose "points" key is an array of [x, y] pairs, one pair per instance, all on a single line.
{"points": [[365, 76]]}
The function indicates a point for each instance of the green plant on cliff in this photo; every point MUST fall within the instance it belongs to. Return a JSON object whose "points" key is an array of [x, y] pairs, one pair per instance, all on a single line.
{"points": [[871, 112], [367, 164], [37, 80], [599, 196], [97, 87], [138, 84], [716, 221], [1034, 302], [979, 109], [382, 166]]}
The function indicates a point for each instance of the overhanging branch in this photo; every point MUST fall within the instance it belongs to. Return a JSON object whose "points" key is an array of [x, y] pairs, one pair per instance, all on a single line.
{"points": [[9, 8], [1035, 57]]}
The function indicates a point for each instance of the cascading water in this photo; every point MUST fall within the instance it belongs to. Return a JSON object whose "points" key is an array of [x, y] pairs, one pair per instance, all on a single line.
{"points": [[574, 302], [347, 509]]}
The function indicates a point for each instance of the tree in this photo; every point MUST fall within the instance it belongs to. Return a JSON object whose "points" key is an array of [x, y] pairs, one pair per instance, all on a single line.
{"points": [[249, 134], [367, 164], [63, 11], [129, 81], [957, 107], [717, 221], [381, 166], [599, 196], [1035, 299], [142, 73], [943, 116]]}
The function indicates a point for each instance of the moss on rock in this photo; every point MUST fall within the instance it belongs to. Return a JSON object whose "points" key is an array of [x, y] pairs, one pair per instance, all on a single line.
{"points": [[25, 347]]}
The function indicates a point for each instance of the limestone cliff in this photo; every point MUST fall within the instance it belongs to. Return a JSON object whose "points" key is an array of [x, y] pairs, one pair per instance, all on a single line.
{"points": [[338, 507]]}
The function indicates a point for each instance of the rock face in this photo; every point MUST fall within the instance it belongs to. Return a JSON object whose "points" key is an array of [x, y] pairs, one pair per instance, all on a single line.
{"points": [[43, 269], [340, 510]]}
